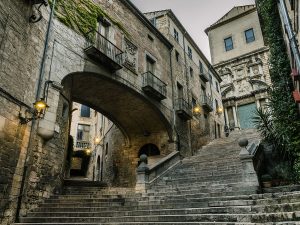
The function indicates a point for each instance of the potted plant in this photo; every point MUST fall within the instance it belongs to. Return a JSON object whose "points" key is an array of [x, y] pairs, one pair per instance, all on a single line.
{"points": [[266, 180]]}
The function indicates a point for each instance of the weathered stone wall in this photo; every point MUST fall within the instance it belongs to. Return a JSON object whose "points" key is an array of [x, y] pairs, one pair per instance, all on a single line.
{"points": [[195, 133], [21, 45]]}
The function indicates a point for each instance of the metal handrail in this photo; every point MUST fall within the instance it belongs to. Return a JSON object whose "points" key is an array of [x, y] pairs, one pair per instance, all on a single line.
{"points": [[83, 144], [150, 79], [97, 40]]}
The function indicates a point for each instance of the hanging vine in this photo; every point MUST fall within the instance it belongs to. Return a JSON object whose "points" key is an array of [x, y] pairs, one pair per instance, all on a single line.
{"points": [[284, 127], [81, 15]]}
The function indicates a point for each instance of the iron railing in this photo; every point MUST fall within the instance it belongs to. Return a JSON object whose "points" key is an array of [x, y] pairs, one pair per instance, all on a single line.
{"points": [[204, 75], [207, 100], [94, 38], [182, 104], [149, 79], [83, 144]]}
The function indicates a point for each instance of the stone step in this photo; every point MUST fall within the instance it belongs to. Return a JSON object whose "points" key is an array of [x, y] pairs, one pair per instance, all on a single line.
{"points": [[258, 217], [129, 211], [162, 223]]}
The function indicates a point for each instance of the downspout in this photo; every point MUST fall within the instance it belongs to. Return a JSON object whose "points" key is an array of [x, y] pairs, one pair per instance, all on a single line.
{"points": [[38, 90], [287, 23]]}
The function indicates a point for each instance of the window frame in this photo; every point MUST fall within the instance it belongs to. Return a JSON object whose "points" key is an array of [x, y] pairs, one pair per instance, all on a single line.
{"points": [[228, 47], [251, 38], [85, 111], [190, 52], [82, 131], [176, 35]]}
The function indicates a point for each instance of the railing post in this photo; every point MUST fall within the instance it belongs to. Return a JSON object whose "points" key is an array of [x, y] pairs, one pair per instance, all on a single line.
{"points": [[142, 175], [249, 175]]}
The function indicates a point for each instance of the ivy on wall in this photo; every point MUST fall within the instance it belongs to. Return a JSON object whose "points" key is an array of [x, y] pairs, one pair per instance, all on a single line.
{"points": [[81, 15], [284, 125]]}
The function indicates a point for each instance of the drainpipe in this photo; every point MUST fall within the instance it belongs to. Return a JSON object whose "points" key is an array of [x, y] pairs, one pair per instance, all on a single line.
{"points": [[38, 90], [287, 23]]}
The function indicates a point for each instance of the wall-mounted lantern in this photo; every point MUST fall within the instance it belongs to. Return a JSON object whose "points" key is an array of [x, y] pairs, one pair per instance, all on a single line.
{"points": [[196, 110], [97, 141], [39, 109], [219, 110]]}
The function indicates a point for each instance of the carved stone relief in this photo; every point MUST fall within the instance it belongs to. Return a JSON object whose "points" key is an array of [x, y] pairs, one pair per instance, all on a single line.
{"points": [[130, 59]]}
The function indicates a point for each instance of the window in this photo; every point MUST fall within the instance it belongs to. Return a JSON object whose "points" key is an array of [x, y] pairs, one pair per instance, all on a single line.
{"points": [[106, 148], [85, 111], [210, 78], [217, 87], [177, 56], [292, 3], [153, 21], [201, 67], [150, 64], [150, 38], [191, 72], [179, 90], [249, 34], [217, 104], [176, 35], [194, 103], [83, 132], [190, 53], [228, 44]]}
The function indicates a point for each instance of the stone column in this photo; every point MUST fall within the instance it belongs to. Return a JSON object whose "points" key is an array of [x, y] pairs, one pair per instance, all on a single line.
{"points": [[226, 116], [142, 176], [257, 103], [236, 126]]}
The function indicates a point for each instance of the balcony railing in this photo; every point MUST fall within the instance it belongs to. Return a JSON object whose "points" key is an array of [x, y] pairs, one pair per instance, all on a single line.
{"points": [[207, 103], [100, 49], [184, 109], [153, 86], [83, 144], [204, 75]]}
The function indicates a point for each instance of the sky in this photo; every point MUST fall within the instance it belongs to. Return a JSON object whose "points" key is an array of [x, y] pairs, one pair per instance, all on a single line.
{"points": [[195, 15]]}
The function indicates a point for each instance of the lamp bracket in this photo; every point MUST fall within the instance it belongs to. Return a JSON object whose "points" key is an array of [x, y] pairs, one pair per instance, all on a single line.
{"points": [[37, 14]]}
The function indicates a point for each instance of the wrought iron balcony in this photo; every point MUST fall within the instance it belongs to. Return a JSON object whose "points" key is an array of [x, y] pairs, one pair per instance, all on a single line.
{"points": [[204, 75], [153, 86], [207, 103], [184, 109], [83, 144], [100, 49]]}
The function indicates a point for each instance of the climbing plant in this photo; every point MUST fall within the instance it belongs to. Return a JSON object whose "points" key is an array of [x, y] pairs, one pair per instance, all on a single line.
{"points": [[282, 121], [81, 15]]}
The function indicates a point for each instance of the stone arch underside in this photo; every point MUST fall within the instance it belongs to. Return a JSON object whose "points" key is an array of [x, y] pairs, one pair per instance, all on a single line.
{"points": [[132, 113]]}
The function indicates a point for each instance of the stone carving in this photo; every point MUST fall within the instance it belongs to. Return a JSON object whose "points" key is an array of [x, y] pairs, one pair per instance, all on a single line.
{"points": [[130, 60]]}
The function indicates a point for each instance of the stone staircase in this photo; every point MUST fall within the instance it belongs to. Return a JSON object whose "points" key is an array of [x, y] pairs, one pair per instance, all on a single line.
{"points": [[204, 189]]}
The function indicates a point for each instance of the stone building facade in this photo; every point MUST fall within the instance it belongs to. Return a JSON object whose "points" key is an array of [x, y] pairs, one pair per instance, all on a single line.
{"points": [[240, 56], [195, 81], [289, 14], [89, 130], [121, 70]]}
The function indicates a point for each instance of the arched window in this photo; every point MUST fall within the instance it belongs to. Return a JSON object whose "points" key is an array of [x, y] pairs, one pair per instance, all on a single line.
{"points": [[149, 150]]}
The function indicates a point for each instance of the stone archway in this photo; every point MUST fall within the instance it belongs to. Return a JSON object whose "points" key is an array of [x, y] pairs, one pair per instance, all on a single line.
{"points": [[139, 121]]}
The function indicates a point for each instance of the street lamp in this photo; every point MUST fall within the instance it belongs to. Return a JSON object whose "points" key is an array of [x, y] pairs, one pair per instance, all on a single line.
{"points": [[196, 109], [39, 109], [219, 110]]}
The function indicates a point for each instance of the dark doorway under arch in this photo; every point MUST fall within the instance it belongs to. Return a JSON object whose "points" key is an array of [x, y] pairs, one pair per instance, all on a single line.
{"points": [[149, 150]]}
